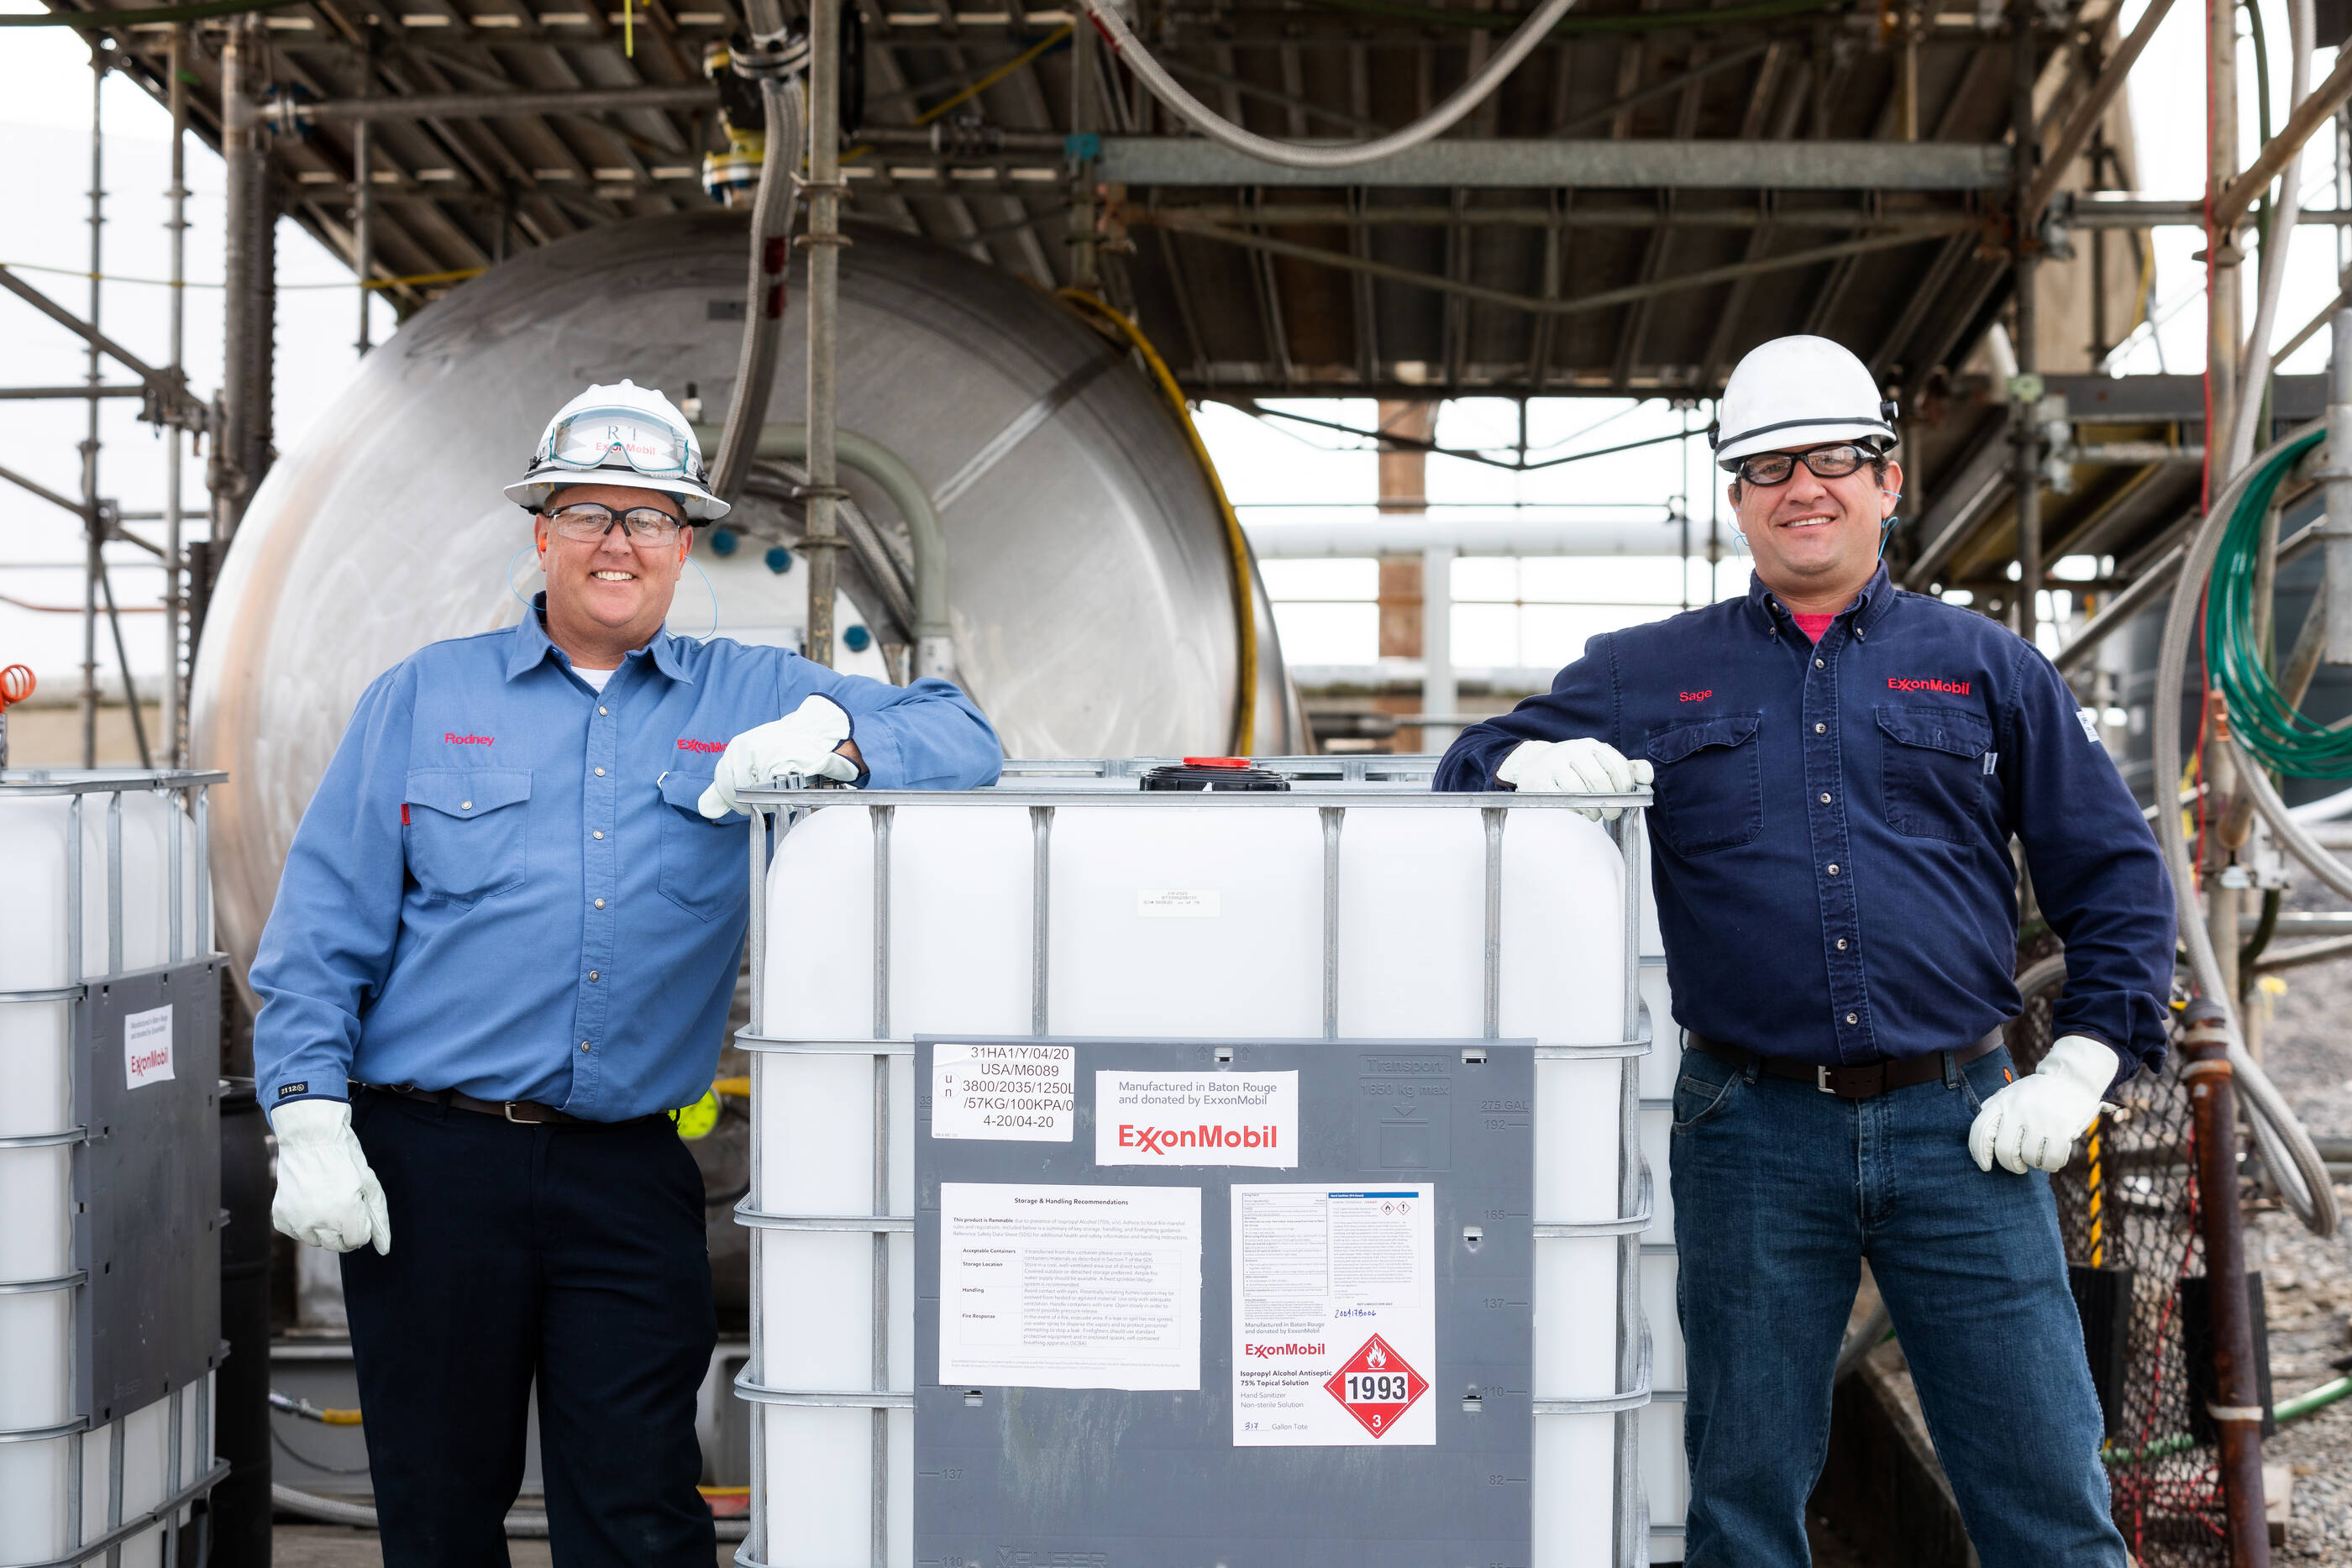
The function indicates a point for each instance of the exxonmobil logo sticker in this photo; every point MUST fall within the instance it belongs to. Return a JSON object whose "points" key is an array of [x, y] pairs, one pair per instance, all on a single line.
{"points": [[147, 1048], [1196, 1118]]}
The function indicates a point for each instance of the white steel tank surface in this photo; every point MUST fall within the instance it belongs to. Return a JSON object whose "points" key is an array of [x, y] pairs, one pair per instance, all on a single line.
{"points": [[1090, 583], [36, 1173], [1410, 964]]}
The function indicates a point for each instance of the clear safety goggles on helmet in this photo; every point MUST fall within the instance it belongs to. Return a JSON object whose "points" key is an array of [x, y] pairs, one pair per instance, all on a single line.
{"points": [[590, 437], [1771, 468]]}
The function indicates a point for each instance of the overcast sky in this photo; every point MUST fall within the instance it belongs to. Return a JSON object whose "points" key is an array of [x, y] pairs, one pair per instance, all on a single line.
{"points": [[1278, 475]]}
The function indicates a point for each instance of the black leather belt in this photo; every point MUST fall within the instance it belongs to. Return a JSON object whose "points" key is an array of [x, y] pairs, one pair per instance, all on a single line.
{"points": [[527, 1113], [1863, 1083]]}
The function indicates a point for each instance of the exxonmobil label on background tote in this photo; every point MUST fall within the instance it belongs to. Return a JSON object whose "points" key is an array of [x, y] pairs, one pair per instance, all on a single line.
{"points": [[1196, 1118]]}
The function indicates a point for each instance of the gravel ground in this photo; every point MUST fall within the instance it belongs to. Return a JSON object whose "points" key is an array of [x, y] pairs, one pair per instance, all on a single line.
{"points": [[2306, 1279]]}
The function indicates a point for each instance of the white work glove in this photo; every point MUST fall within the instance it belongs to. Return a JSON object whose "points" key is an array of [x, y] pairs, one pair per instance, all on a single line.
{"points": [[1580, 766], [800, 742], [2035, 1120], [327, 1197]]}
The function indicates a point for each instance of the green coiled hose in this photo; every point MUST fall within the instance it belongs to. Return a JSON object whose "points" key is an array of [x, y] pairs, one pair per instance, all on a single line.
{"points": [[2264, 722]]}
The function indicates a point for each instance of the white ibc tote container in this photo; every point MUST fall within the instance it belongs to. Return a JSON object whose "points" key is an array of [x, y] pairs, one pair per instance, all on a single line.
{"points": [[101, 876], [1357, 905]]}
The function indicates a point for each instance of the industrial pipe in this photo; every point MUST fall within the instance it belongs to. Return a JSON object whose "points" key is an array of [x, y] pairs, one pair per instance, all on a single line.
{"points": [[286, 114], [934, 630], [2237, 1413], [2336, 528], [771, 229], [2286, 1148]]}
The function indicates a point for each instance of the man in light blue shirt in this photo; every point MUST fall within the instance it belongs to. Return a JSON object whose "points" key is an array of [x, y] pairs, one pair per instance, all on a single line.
{"points": [[503, 949]]}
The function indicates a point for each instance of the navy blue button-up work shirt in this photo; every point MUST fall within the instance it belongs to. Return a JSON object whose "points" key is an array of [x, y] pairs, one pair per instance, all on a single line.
{"points": [[1830, 834], [504, 885]]}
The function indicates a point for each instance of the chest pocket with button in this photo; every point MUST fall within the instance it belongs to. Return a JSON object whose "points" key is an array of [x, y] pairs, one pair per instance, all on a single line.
{"points": [[1932, 763], [467, 831], [1710, 787], [702, 862]]}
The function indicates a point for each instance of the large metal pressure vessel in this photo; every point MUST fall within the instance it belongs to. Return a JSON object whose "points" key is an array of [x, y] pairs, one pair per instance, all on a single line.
{"points": [[1090, 583]]}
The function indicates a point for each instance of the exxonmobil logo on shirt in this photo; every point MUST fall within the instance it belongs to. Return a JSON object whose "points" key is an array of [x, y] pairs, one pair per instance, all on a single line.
{"points": [[685, 744], [451, 738], [1896, 683]]}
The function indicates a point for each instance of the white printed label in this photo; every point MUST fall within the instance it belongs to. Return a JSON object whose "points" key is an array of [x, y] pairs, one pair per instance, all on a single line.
{"points": [[2090, 721], [1196, 1119], [1180, 902], [1070, 1287], [147, 1046], [1024, 1093], [1335, 1317]]}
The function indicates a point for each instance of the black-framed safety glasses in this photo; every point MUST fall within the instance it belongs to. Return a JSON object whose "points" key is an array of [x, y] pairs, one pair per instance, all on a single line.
{"points": [[585, 522], [1834, 462]]}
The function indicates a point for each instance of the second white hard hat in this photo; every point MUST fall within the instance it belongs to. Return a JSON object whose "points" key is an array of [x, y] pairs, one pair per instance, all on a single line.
{"points": [[1800, 392], [623, 434]]}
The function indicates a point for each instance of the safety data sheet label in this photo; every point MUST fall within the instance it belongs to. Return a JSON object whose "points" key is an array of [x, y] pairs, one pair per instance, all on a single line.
{"points": [[1334, 1315], [1070, 1287], [1022, 1092], [1196, 1118]]}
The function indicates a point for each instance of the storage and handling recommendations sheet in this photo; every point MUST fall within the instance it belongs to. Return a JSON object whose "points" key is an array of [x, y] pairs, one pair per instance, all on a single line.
{"points": [[1070, 1287], [1334, 1315]]}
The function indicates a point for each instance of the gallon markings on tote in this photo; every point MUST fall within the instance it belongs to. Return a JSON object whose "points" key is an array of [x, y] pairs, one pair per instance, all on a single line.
{"points": [[1180, 902], [147, 1046], [1196, 1119], [1026, 1093]]}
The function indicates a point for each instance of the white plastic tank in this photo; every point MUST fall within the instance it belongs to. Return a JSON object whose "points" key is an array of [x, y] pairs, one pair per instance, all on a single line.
{"points": [[1410, 963], [38, 1131]]}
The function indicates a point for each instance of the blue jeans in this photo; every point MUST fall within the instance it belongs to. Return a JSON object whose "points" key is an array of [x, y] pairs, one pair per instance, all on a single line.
{"points": [[1780, 1192]]}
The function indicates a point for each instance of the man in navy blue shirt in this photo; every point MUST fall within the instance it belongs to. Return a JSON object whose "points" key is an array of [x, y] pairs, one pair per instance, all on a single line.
{"points": [[503, 949], [1840, 768]]}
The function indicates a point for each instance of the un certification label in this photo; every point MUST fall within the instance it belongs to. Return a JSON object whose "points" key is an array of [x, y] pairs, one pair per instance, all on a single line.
{"points": [[1025, 1093]]}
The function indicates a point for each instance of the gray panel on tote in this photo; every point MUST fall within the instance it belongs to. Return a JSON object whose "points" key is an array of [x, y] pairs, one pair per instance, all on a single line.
{"points": [[1052, 1477]]}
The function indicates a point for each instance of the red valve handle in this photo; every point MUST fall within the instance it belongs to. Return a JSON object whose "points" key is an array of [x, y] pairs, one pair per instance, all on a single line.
{"points": [[15, 684]]}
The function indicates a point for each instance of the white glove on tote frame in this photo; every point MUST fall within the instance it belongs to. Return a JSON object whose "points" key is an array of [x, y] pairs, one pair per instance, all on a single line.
{"points": [[1579, 765], [327, 1196], [2035, 1120], [800, 742]]}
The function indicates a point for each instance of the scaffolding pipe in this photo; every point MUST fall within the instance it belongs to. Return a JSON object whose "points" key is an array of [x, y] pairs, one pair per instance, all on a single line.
{"points": [[289, 115], [825, 189], [93, 528], [2026, 256], [364, 191], [175, 724], [2335, 529]]}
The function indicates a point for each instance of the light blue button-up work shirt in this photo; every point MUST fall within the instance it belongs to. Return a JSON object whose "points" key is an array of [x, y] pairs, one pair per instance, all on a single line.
{"points": [[503, 885]]}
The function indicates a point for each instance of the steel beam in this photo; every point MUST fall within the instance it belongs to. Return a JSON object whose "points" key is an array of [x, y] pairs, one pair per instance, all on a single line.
{"points": [[292, 114], [1515, 164]]}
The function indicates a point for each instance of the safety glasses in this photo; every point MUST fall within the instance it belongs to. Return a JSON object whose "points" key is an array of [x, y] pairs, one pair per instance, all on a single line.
{"points": [[585, 522], [589, 438], [1771, 468]]}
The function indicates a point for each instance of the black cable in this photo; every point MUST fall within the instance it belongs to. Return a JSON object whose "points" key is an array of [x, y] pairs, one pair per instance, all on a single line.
{"points": [[296, 1454], [2265, 927]]}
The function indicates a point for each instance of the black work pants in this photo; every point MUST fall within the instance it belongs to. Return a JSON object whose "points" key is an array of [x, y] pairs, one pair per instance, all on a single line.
{"points": [[573, 1255]]}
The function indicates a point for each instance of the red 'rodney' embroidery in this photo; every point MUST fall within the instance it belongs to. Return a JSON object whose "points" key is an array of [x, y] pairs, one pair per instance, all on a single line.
{"points": [[1957, 688], [685, 745], [452, 737]]}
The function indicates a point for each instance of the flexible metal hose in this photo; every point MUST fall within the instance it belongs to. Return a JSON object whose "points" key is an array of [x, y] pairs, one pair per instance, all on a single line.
{"points": [[763, 309], [2287, 1150], [360, 1516], [1309, 156]]}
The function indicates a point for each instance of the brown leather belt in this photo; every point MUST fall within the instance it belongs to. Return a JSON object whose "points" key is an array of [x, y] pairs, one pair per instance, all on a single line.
{"points": [[1861, 1082], [526, 1113]]}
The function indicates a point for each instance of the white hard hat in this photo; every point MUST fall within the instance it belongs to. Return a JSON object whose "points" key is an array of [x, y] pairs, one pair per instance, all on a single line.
{"points": [[623, 434], [1800, 392]]}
